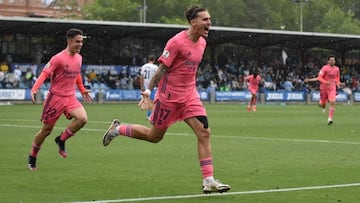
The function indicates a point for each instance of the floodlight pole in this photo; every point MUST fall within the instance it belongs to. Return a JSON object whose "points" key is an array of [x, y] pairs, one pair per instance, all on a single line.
{"points": [[301, 4], [301, 15], [144, 10]]}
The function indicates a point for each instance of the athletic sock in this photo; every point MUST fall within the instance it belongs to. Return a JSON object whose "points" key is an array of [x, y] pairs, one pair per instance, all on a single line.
{"points": [[207, 168], [124, 129], [331, 112], [34, 150], [66, 134]]}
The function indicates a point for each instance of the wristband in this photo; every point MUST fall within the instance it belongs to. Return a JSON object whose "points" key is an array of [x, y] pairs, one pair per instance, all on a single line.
{"points": [[147, 92]]}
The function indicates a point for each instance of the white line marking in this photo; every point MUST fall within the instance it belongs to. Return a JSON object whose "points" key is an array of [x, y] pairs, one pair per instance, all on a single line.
{"points": [[293, 140], [32, 120], [228, 193], [221, 136]]}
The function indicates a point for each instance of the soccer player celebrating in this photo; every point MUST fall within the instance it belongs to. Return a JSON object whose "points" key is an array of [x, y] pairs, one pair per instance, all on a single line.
{"points": [[177, 98], [253, 86], [63, 69], [329, 78]]}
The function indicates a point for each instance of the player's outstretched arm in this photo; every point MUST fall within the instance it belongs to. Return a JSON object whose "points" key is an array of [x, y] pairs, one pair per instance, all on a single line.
{"points": [[33, 97], [84, 92], [42, 77], [311, 79]]}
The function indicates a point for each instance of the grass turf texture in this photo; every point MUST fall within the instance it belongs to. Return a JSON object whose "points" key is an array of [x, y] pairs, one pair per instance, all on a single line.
{"points": [[274, 148]]}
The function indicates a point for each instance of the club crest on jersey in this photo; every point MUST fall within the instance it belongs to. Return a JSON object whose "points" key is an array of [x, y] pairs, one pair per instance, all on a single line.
{"points": [[166, 54]]}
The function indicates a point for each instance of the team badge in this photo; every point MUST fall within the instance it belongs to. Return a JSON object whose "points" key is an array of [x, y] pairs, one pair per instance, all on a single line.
{"points": [[166, 54], [47, 65]]}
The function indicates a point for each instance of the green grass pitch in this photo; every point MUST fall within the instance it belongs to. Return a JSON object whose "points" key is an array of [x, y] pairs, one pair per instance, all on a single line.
{"points": [[277, 154]]}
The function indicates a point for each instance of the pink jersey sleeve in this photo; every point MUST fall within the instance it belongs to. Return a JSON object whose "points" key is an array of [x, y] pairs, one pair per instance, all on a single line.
{"points": [[169, 53], [80, 84], [321, 75], [40, 80]]}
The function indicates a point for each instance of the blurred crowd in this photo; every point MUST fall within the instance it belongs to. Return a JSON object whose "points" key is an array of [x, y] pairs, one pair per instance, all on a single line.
{"points": [[276, 77], [227, 76]]}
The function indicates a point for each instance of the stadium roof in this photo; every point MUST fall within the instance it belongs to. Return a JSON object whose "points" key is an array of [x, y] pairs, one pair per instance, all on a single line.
{"points": [[218, 35]]}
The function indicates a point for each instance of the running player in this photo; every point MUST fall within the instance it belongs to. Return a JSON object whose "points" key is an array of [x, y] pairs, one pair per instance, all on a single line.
{"points": [[254, 81], [329, 78], [177, 98], [63, 69]]}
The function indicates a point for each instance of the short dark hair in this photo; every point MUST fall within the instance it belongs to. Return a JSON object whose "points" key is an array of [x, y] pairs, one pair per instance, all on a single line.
{"points": [[192, 12], [71, 33], [331, 56], [151, 57]]}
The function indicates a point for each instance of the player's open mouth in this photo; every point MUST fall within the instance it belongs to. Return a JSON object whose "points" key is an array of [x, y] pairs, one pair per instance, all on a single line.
{"points": [[206, 29]]}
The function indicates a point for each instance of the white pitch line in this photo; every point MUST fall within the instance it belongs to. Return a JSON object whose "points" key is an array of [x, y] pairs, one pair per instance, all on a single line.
{"points": [[227, 193], [32, 120], [294, 140], [221, 136]]}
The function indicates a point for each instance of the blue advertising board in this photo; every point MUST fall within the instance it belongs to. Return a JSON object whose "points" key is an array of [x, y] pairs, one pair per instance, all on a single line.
{"points": [[285, 96]]}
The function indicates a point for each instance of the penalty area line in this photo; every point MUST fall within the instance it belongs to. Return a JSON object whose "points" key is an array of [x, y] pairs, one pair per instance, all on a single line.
{"points": [[222, 194]]}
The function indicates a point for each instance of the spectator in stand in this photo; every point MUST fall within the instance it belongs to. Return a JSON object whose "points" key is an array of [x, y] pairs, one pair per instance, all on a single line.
{"points": [[29, 78], [92, 77], [18, 76], [235, 85], [2, 79], [123, 82], [4, 67], [288, 86], [137, 81], [109, 80], [354, 83]]}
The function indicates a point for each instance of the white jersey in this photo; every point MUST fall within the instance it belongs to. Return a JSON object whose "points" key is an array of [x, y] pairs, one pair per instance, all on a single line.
{"points": [[147, 71]]}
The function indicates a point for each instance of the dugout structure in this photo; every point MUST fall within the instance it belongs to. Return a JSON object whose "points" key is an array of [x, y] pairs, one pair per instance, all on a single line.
{"points": [[108, 42]]}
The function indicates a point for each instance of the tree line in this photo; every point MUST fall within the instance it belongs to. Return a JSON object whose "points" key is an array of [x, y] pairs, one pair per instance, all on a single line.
{"points": [[328, 16]]}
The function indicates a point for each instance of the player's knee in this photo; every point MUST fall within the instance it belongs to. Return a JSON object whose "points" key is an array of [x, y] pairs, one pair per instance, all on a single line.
{"points": [[203, 120], [154, 135], [204, 133], [155, 139], [82, 120], [46, 132]]}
